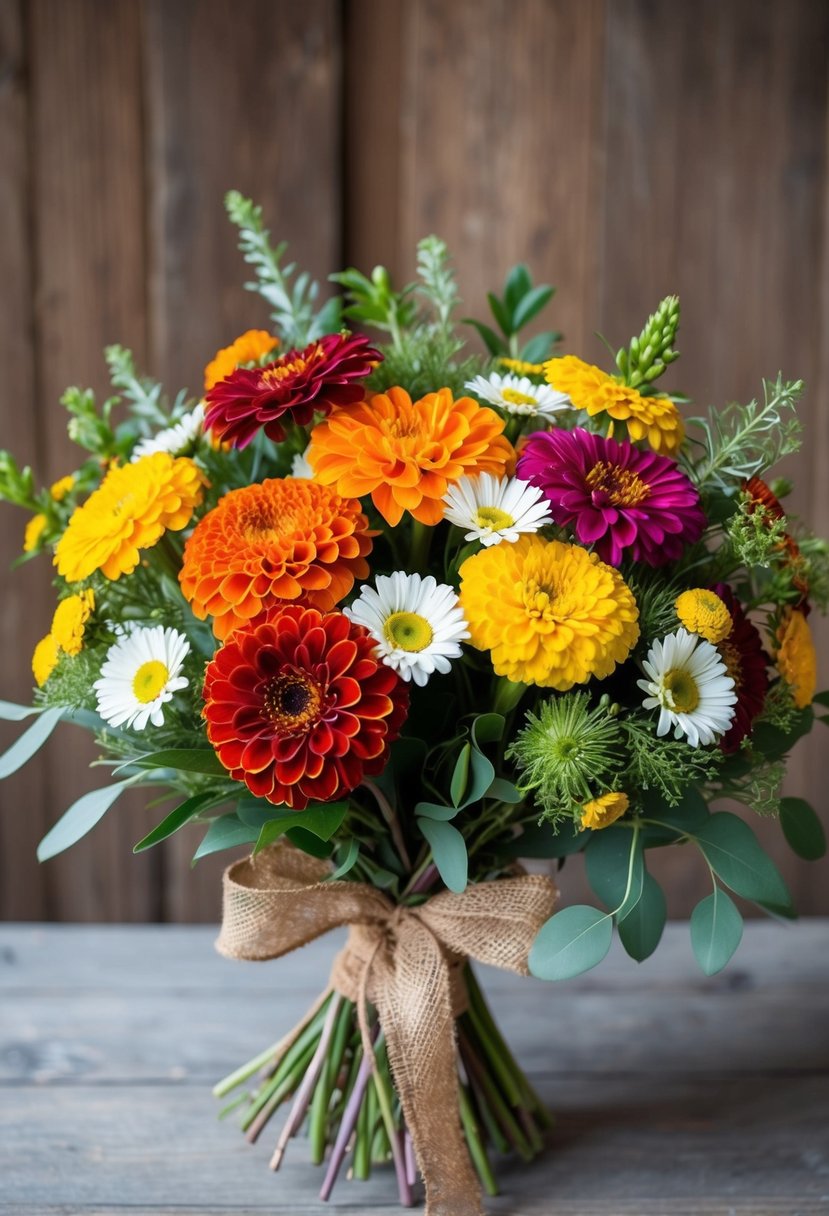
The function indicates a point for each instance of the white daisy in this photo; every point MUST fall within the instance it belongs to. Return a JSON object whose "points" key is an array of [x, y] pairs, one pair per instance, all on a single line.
{"points": [[301, 467], [176, 439], [689, 685], [140, 675], [519, 395], [496, 509], [416, 623]]}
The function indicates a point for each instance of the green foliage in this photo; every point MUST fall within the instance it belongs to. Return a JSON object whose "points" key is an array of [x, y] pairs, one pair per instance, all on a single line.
{"points": [[647, 356], [448, 851], [614, 861], [144, 395], [735, 855], [89, 426], [16, 485], [292, 296], [438, 285], [225, 832], [740, 441], [655, 598], [665, 765], [80, 819], [375, 302], [803, 830], [567, 753], [755, 533], [640, 930], [520, 304], [716, 930], [70, 684], [32, 739], [814, 551], [570, 942]]}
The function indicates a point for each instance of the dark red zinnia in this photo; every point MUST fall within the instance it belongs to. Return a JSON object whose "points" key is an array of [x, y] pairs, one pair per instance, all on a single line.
{"points": [[747, 664], [623, 501], [298, 707], [295, 386]]}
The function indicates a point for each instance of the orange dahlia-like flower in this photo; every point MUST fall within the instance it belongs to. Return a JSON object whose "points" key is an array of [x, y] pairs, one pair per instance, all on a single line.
{"points": [[131, 510], [249, 347], [404, 453], [299, 708], [278, 540], [590, 389]]}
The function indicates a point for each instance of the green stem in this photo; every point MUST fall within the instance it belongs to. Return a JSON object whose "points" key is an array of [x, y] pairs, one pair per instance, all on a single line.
{"points": [[419, 551], [475, 1144]]}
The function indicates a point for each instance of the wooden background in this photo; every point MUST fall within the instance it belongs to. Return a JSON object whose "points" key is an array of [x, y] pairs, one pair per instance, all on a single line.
{"points": [[624, 148]]}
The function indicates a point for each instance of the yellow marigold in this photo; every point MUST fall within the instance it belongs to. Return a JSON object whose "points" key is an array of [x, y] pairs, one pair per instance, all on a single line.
{"points": [[60, 488], [796, 657], [34, 530], [552, 614], [703, 612], [44, 659], [589, 388], [405, 454], [601, 812], [70, 619], [521, 368], [249, 347], [132, 508]]}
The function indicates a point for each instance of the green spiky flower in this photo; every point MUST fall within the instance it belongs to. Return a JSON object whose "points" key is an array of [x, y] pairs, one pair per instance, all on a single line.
{"points": [[648, 355]]}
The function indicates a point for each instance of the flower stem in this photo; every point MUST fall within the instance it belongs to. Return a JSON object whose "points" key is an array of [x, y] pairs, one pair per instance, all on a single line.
{"points": [[421, 543], [476, 1146]]}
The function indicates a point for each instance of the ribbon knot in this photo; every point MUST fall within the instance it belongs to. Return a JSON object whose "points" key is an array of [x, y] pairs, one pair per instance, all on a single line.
{"points": [[407, 962]]}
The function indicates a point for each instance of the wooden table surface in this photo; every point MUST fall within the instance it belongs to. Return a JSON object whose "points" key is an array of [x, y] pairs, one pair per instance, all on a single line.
{"points": [[673, 1094]]}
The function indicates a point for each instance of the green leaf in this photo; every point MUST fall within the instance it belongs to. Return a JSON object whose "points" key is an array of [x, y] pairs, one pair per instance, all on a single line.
{"points": [[541, 841], [641, 929], [735, 855], [309, 843], [9, 712], [495, 345], [433, 810], [483, 775], [175, 820], [226, 832], [504, 791], [449, 852], [803, 830], [349, 861], [517, 284], [499, 313], [184, 759], [321, 819], [571, 941], [25, 747], [540, 347], [460, 774], [79, 819], [531, 305], [822, 698], [487, 728], [610, 857], [716, 930]]}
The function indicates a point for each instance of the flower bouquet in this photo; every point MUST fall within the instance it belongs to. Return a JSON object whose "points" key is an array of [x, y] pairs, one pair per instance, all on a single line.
{"points": [[393, 615]]}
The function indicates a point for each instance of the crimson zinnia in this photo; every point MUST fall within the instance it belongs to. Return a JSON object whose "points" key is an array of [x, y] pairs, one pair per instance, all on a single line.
{"points": [[623, 501], [747, 663], [299, 709], [292, 388]]}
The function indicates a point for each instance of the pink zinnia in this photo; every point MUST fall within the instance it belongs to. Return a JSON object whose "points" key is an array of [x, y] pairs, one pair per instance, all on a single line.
{"points": [[624, 502], [293, 387]]}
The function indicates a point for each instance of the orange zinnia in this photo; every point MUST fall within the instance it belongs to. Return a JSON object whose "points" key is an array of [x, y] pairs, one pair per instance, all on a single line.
{"points": [[249, 347], [404, 453], [278, 540]]}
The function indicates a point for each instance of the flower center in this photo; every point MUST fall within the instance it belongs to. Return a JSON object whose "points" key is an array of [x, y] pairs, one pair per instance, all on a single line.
{"points": [[680, 691], [733, 666], [292, 700], [273, 375], [493, 519], [524, 403], [408, 631], [611, 486], [149, 681], [539, 600]]}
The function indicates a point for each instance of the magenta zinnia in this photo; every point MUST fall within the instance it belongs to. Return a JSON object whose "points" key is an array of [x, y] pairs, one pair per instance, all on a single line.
{"points": [[746, 663], [292, 388], [625, 502]]}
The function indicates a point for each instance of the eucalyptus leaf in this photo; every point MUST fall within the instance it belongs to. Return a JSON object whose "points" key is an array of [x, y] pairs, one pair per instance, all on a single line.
{"points": [[79, 819], [570, 942], [803, 830], [483, 775], [716, 930], [9, 712], [448, 851], [640, 931], [226, 832], [433, 810], [460, 775], [615, 868], [487, 728], [352, 852], [504, 791], [736, 857], [542, 841], [30, 741]]}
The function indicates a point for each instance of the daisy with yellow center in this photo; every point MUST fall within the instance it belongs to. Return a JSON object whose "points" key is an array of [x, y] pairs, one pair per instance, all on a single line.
{"points": [[416, 624], [601, 812], [131, 510], [551, 614], [60, 488], [796, 657], [703, 612], [493, 509], [177, 439], [44, 659], [69, 621], [518, 395], [655, 419], [688, 682], [140, 674], [33, 533]]}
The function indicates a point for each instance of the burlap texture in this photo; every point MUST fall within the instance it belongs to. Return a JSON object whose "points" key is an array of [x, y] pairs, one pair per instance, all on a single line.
{"points": [[402, 959]]}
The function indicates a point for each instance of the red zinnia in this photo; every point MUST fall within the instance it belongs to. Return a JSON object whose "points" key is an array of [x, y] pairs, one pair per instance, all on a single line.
{"points": [[746, 663], [297, 385], [298, 707]]}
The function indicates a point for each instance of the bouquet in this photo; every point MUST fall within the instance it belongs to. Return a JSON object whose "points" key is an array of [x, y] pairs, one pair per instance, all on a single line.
{"points": [[394, 615]]}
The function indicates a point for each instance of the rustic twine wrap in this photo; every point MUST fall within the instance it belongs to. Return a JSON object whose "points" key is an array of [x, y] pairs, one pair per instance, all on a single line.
{"points": [[406, 962]]}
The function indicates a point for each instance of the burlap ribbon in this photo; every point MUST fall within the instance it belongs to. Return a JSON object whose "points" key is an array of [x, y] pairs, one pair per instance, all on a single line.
{"points": [[401, 959]]}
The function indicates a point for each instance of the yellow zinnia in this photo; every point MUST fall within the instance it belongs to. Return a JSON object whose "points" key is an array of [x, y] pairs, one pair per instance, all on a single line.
{"points": [[70, 619], [552, 614], [590, 389], [44, 659], [601, 812], [796, 657], [131, 510], [704, 613], [60, 488], [249, 347], [34, 530]]}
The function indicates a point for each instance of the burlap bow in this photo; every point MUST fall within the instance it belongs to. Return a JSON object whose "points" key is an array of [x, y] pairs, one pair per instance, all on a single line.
{"points": [[400, 959]]}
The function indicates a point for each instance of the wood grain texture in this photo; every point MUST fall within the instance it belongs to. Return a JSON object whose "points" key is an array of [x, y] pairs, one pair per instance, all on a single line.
{"points": [[694, 1096]]}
